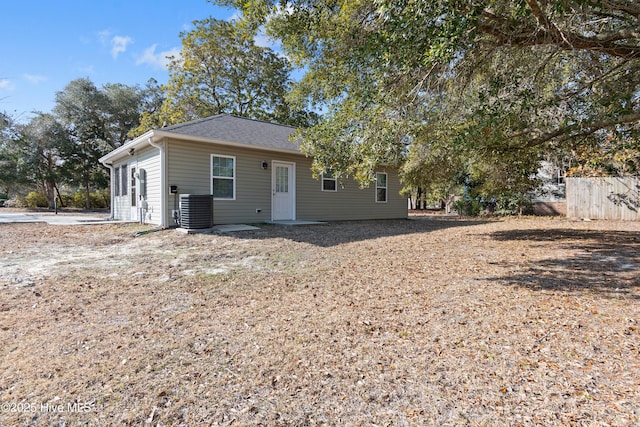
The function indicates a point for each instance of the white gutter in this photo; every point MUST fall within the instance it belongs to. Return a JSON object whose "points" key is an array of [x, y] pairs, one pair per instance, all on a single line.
{"points": [[163, 182]]}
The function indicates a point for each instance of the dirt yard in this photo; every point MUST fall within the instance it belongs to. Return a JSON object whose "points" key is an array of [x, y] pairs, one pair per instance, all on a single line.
{"points": [[430, 321]]}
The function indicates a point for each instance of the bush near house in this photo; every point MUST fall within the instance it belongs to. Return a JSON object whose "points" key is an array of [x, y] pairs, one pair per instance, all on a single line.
{"points": [[36, 199], [97, 200]]}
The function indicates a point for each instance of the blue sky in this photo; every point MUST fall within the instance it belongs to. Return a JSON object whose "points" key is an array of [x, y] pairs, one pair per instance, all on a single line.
{"points": [[46, 44]]}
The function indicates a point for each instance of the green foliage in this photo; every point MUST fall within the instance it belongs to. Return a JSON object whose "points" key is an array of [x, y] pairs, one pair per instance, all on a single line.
{"points": [[63, 147], [468, 85], [43, 148], [468, 207], [222, 70], [97, 200], [97, 120], [10, 179], [36, 200], [123, 107]]}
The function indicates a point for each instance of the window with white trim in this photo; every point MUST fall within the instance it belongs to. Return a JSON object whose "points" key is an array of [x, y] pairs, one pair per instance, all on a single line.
{"points": [[116, 184], [124, 180], [223, 177], [381, 187], [329, 181]]}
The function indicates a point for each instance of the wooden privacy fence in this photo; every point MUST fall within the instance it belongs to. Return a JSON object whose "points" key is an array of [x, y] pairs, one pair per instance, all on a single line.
{"points": [[603, 198]]}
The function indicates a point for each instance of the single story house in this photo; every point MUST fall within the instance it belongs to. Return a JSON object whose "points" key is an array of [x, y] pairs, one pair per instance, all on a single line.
{"points": [[252, 170]]}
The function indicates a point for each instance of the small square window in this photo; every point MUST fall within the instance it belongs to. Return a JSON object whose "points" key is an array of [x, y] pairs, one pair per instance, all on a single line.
{"points": [[329, 181]]}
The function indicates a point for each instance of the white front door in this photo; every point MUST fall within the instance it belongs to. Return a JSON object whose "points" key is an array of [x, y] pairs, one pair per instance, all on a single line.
{"points": [[283, 191]]}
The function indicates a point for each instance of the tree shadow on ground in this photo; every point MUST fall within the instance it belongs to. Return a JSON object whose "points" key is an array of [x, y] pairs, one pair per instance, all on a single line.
{"points": [[340, 232], [603, 262]]}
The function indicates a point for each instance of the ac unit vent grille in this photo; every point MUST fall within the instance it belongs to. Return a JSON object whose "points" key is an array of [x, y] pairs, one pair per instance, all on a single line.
{"points": [[196, 211]]}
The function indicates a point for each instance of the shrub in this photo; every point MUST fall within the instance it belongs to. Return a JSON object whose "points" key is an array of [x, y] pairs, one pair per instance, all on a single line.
{"points": [[36, 199], [97, 200], [67, 200], [469, 207], [16, 202]]}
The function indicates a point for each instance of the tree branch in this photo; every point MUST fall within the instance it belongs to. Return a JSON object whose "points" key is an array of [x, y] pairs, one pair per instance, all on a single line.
{"points": [[547, 33], [580, 129], [544, 21], [627, 7]]}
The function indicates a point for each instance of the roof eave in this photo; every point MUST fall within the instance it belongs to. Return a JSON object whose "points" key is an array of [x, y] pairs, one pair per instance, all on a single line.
{"points": [[124, 149]]}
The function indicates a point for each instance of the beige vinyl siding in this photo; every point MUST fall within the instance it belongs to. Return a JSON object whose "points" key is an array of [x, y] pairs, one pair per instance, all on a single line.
{"points": [[349, 202], [189, 167]]}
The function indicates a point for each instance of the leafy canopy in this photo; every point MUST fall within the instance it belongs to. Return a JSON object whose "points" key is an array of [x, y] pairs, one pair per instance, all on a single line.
{"points": [[467, 84], [221, 70], [62, 148]]}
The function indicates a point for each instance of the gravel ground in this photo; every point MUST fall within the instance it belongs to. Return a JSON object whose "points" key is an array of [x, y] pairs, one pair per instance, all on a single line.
{"points": [[430, 321]]}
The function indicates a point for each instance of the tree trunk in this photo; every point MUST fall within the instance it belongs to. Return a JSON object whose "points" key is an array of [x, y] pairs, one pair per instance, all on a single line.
{"points": [[49, 192], [87, 194], [59, 196]]}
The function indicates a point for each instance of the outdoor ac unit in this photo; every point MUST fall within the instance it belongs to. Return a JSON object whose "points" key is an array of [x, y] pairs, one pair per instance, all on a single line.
{"points": [[196, 211]]}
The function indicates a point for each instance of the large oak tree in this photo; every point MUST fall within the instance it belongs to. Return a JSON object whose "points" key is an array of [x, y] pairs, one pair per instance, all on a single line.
{"points": [[465, 84], [220, 69]]}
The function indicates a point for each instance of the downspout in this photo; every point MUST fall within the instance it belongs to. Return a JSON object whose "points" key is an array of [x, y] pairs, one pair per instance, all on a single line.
{"points": [[163, 183], [111, 192]]}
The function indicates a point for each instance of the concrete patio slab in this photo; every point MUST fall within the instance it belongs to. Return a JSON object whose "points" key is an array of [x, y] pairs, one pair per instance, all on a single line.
{"points": [[227, 228], [291, 223]]}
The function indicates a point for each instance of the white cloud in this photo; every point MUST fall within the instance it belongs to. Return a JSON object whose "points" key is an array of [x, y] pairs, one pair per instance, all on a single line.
{"points": [[35, 79], [237, 15], [264, 40], [104, 37], [159, 59], [88, 69], [119, 45], [6, 84]]}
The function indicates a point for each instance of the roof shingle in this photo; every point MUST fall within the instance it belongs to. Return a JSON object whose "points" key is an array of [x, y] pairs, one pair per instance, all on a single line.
{"points": [[239, 130]]}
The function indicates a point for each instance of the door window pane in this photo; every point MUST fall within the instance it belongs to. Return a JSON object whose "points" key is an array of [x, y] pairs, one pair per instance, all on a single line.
{"points": [[282, 179]]}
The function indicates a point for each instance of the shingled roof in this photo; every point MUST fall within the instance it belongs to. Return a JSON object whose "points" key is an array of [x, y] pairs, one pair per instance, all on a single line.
{"points": [[238, 130]]}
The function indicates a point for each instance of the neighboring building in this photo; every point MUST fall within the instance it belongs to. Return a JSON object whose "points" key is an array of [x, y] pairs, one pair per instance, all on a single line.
{"points": [[252, 169], [550, 198]]}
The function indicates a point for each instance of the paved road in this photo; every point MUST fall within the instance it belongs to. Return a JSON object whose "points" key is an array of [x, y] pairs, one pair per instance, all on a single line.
{"points": [[51, 218]]}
